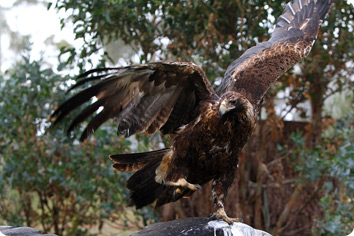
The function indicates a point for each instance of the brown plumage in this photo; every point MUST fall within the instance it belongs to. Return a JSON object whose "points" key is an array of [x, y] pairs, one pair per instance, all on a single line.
{"points": [[208, 129]]}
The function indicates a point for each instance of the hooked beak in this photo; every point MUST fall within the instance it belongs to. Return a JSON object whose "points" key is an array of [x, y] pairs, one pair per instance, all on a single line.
{"points": [[224, 107]]}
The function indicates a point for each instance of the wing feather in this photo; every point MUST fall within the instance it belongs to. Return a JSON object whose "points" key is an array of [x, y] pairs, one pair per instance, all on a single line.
{"points": [[89, 110], [178, 114], [108, 112], [79, 99], [142, 115], [296, 30], [140, 98]]}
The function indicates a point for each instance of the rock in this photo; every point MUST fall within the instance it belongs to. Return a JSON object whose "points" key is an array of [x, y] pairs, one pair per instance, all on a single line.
{"points": [[21, 231], [198, 226]]}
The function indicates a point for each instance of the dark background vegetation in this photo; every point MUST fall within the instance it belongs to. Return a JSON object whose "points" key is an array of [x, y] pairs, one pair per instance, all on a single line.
{"points": [[296, 174]]}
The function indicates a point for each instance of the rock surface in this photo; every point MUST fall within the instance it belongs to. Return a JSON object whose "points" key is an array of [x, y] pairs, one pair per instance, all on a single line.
{"points": [[196, 226], [21, 231], [199, 227]]}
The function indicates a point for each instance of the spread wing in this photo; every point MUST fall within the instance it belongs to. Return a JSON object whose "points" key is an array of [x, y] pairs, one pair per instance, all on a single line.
{"points": [[295, 33], [151, 97]]}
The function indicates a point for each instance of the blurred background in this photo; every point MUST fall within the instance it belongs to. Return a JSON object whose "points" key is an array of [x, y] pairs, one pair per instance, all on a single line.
{"points": [[296, 174]]}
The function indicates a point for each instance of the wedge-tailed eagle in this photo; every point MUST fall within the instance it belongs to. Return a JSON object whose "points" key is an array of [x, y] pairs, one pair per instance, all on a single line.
{"points": [[208, 129]]}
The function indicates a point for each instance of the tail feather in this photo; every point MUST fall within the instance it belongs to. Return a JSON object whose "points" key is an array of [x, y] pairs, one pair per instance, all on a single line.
{"points": [[143, 187], [144, 190], [136, 161], [168, 195]]}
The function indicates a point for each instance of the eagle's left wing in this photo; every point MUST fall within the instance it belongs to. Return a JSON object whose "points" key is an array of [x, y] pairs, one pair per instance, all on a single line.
{"points": [[295, 33]]}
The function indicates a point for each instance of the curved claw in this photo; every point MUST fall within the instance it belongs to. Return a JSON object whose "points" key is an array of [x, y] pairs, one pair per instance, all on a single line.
{"points": [[221, 214], [212, 216], [198, 186]]}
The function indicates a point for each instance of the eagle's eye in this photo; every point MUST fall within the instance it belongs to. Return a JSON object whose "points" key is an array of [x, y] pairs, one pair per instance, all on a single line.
{"points": [[235, 103]]}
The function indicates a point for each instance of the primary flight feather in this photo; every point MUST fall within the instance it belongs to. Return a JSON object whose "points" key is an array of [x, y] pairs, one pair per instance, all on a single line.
{"points": [[208, 129]]}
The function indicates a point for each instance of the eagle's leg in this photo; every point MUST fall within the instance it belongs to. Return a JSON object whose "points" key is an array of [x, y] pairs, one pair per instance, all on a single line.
{"points": [[182, 183], [219, 191]]}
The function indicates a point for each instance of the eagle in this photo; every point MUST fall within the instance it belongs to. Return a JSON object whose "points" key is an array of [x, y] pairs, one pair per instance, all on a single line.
{"points": [[207, 128]]}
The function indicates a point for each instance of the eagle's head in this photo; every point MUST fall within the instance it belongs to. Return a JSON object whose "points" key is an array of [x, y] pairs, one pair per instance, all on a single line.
{"points": [[233, 106]]}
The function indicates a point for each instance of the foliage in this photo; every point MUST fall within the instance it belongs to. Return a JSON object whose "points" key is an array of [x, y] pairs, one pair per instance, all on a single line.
{"points": [[333, 163], [338, 203], [47, 179]]}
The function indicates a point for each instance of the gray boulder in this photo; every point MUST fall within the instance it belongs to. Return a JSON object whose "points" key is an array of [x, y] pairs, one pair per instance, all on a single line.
{"points": [[199, 227], [21, 231]]}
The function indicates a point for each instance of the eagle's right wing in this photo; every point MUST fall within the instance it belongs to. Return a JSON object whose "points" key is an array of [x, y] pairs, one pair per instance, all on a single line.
{"points": [[145, 98], [296, 30]]}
